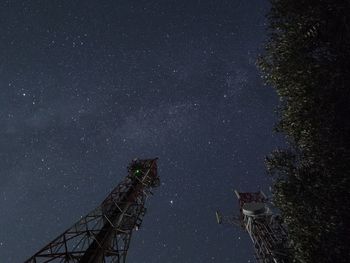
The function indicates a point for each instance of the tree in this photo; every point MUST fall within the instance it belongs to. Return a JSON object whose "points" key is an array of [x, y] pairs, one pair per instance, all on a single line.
{"points": [[307, 61]]}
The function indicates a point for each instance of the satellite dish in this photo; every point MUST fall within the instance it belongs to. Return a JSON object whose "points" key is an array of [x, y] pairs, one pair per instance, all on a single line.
{"points": [[253, 209]]}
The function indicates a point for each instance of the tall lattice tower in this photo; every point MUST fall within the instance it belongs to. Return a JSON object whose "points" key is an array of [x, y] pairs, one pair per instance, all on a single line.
{"points": [[265, 228], [104, 234]]}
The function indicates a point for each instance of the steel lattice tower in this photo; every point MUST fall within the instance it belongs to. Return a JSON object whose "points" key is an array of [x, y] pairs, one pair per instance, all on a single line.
{"points": [[266, 229], [104, 234]]}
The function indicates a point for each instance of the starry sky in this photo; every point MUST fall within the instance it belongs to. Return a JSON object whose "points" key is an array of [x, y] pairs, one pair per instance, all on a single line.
{"points": [[86, 86]]}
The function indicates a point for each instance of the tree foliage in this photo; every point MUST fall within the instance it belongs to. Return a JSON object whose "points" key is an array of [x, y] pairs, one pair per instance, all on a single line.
{"points": [[307, 61]]}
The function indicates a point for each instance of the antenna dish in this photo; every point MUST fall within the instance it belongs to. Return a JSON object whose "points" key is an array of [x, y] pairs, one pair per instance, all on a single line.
{"points": [[253, 209]]}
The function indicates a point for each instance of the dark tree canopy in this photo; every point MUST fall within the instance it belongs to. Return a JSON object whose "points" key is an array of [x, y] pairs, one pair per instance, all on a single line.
{"points": [[307, 61]]}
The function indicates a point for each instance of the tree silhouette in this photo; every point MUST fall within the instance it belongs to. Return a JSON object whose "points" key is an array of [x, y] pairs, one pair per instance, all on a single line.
{"points": [[307, 61]]}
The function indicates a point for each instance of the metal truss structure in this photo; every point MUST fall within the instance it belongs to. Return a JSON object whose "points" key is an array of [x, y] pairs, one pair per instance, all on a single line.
{"points": [[104, 234], [266, 229]]}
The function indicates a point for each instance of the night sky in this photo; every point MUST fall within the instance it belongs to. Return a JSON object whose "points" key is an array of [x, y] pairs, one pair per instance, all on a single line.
{"points": [[86, 86]]}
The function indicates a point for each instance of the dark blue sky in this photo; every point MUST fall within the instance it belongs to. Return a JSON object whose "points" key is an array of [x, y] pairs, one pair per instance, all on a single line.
{"points": [[86, 86]]}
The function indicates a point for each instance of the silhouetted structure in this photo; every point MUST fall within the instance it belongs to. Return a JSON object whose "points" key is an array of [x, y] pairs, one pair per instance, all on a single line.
{"points": [[104, 234], [265, 228]]}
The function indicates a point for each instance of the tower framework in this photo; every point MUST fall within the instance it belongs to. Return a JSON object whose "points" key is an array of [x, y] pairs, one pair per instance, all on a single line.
{"points": [[104, 234], [266, 229]]}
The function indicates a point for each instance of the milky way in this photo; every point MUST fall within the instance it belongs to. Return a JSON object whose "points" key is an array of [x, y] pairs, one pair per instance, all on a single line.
{"points": [[86, 86]]}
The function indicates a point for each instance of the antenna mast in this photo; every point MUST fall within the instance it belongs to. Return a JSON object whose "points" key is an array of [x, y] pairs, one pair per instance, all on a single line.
{"points": [[266, 229], [104, 234]]}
